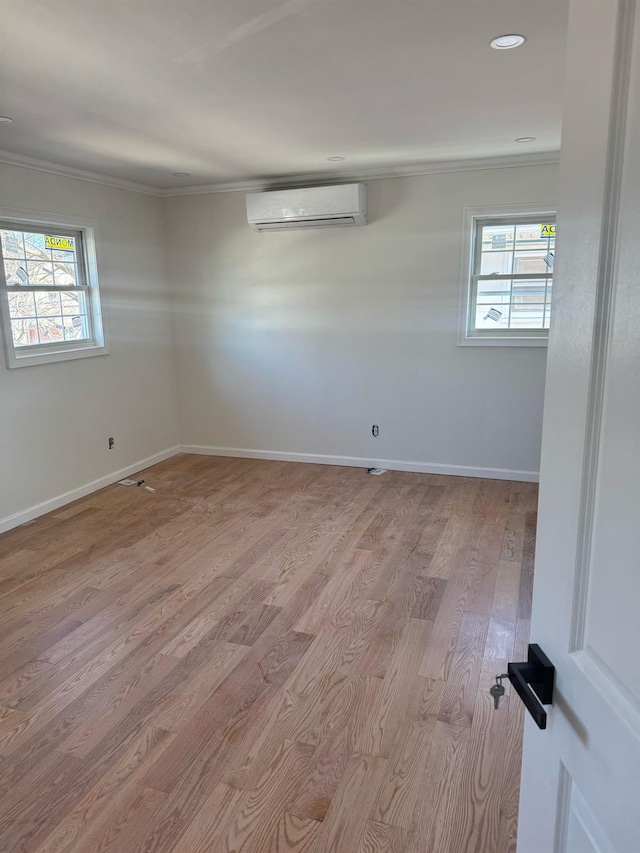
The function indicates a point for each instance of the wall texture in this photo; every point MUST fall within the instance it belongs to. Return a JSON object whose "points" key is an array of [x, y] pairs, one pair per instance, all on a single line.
{"points": [[56, 418], [296, 343]]}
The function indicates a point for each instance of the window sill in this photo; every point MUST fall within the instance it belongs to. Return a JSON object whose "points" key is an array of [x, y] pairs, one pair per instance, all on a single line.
{"points": [[15, 359], [503, 342]]}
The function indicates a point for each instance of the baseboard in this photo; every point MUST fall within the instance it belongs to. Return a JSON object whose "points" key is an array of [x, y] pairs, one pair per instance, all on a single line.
{"points": [[25, 515], [28, 514], [361, 462]]}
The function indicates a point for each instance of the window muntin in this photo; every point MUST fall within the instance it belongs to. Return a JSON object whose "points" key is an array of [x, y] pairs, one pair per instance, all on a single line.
{"points": [[50, 302], [511, 286]]}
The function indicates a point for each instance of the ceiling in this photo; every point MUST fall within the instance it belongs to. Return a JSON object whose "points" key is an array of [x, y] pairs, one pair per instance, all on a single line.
{"points": [[240, 89]]}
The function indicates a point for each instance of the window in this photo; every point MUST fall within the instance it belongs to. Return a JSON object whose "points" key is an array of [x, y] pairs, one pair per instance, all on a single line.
{"points": [[49, 299], [507, 293]]}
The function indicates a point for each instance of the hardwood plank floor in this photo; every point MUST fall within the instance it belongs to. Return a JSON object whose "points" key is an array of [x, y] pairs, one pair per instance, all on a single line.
{"points": [[265, 657]]}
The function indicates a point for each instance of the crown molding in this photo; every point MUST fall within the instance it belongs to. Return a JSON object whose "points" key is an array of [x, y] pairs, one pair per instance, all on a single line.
{"points": [[433, 167], [11, 159], [403, 171]]}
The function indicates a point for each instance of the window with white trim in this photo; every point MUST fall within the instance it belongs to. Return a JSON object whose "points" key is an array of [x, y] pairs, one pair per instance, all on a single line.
{"points": [[49, 297], [510, 284]]}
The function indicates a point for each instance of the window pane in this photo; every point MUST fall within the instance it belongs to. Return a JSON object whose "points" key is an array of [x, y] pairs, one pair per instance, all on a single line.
{"points": [[40, 272], [25, 332], [498, 238], [66, 255], [532, 263], [34, 244], [74, 303], [16, 272], [529, 316], [76, 328], [494, 292], [12, 244], [529, 291], [50, 330], [496, 262], [22, 304], [65, 274], [47, 303], [494, 317]]}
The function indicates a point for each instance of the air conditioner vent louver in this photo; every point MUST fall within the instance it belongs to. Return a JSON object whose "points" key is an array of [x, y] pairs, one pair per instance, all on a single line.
{"points": [[279, 225], [311, 207]]}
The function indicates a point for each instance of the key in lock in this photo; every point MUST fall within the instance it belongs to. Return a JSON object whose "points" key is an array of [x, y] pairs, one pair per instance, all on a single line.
{"points": [[497, 690]]}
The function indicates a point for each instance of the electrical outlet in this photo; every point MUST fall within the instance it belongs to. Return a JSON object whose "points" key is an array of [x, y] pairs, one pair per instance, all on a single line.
{"points": [[375, 430], [112, 443]]}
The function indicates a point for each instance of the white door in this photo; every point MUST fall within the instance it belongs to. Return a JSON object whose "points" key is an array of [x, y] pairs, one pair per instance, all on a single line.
{"points": [[581, 776]]}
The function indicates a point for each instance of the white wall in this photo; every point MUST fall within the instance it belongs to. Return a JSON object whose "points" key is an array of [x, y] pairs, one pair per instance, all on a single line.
{"points": [[56, 418], [298, 342]]}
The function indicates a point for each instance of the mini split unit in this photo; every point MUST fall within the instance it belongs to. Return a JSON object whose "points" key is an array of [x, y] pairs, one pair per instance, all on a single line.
{"points": [[310, 207]]}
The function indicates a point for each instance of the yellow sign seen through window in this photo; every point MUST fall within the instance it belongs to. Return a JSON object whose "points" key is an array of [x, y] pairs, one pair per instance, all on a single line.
{"points": [[62, 244], [547, 231]]}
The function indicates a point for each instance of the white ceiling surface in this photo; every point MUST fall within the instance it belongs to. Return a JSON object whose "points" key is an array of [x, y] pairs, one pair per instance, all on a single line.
{"points": [[240, 89]]}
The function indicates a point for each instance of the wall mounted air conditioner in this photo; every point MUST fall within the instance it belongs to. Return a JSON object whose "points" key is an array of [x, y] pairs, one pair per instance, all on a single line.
{"points": [[309, 207]]}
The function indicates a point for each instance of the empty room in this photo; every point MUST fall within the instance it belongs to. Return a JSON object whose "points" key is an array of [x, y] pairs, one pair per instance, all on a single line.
{"points": [[319, 459]]}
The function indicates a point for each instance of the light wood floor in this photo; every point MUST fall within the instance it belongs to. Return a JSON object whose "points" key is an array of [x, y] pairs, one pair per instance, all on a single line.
{"points": [[265, 656]]}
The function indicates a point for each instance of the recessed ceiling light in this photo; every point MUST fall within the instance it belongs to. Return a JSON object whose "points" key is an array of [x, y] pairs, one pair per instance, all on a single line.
{"points": [[507, 42], [182, 174], [335, 159], [6, 119], [525, 139]]}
